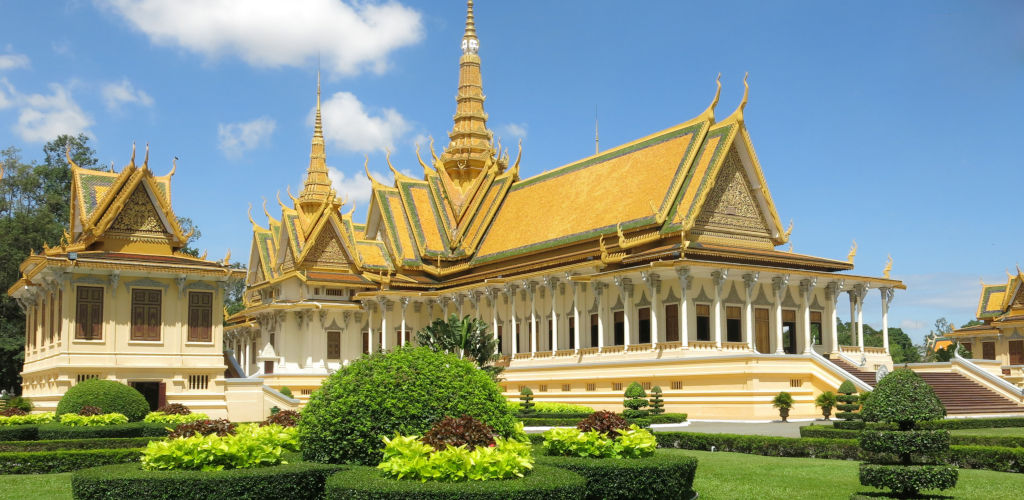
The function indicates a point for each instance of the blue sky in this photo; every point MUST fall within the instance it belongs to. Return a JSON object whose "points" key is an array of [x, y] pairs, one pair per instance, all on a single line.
{"points": [[892, 123]]}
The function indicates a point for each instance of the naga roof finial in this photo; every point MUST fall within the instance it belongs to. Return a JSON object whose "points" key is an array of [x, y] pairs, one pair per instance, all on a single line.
{"points": [[853, 252], [145, 161], [738, 114], [174, 167], [67, 156], [888, 268], [251, 220], [710, 112], [131, 161], [265, 212]]}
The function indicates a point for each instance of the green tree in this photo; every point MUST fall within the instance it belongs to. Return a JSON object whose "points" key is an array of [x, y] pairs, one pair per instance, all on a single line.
{"points": [[657, 403], [35, 201], [234, 292], [467, 338]]}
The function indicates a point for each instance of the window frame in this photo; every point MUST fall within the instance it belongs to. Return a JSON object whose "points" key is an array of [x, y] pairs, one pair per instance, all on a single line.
{"points": [[195, 330], [94, 308], [147, 331]]}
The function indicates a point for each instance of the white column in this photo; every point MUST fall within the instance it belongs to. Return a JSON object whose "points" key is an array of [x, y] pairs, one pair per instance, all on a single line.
{"points": [[369, 327], [887, 294], [405, 303], [384, 324], [248, 353], [459, 299], [531, 288], [599, 289], [514, 341], [860, 316], [779, 284], [749, 282], [684, 304], [625, 286], [832, 291], [551, 284], [654, 288], [853, 313], [576, 314], [806, 289], [493, 293], [718, 279]]}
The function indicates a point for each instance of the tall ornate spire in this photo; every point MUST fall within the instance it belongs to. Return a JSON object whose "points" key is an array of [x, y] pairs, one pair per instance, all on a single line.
{"points": [[470, 150], [318, 184]]}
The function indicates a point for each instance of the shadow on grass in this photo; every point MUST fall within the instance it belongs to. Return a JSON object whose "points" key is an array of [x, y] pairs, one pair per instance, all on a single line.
{"points": [[881, 494]]}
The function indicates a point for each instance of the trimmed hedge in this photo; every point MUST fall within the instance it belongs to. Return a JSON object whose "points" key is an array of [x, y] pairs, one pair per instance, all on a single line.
{"points": [[821, 431], [302, 480], [971, 423], [543, 482], [76, 444], [668, 474], [667, 418], [48, 462], [908, 478], [848, 424], [19, 432], [905, 444], [987, 457], [129, 430], [772, 446], [550, 422]]}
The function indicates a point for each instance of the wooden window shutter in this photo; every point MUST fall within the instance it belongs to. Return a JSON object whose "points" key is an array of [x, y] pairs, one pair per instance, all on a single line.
{"points": [[200, 316], [146, 306], [89, 313]]}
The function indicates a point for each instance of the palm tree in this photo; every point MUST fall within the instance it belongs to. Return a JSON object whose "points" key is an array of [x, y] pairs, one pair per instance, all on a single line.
{"points": [[467, 338]]}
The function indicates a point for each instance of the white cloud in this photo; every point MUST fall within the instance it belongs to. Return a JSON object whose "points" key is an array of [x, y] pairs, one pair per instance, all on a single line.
{"points": [[513, 131], [353, 188], [43, 117], [349, 126], [349, 36], [911, 324], [12, 61], [116, 94], [237, 138]]}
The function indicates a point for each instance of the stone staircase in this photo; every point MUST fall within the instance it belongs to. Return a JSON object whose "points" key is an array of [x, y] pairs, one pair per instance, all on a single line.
{"points": [[959, 394]]}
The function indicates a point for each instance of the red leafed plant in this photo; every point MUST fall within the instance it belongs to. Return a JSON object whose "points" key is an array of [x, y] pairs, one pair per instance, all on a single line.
{"points": [[90, 411], [220, 427], [464, 430], [603, 421], [286, 418], [13, 412], [174, 409]]}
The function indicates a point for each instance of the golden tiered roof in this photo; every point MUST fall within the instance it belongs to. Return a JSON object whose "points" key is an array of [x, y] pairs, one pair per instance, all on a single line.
{"points": [[695, 191]]}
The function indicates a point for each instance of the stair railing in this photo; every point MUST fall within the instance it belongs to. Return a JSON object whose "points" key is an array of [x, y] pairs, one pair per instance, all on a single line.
{"points": [[838, 370], [851, 361], [1003, 386]]}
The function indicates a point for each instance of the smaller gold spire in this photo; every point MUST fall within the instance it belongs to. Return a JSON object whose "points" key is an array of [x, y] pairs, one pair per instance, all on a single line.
{"points": [[853, 252], [738, 114], [888, 268]]}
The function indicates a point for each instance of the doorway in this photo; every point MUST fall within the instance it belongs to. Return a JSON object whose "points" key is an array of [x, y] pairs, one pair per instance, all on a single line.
{"points": [[154, 392], [762, 336], [789, 332]]}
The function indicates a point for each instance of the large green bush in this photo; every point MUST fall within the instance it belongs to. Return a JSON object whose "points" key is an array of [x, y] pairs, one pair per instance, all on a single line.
{"points": [[903, 398], [405, 392], [668, 474], [542, 483], [297, 481], [107, 395]]}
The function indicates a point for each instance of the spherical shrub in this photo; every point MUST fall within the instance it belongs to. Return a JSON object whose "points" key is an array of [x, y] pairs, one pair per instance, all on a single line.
{"points": [[904, 398], [405, 392], [220, 427], [603, 421], [13, 412], [286, 418], [90, 411], [463, 431], [174, 409], [107, 395], [286, 391]]}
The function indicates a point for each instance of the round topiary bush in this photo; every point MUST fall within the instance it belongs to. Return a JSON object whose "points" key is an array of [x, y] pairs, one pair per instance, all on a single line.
{"points": [[107, 395], [634, 401], [903, 397], [405, 392]]}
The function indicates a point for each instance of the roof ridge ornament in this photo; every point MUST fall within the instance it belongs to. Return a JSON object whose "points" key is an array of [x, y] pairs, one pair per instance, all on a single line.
{"points": [[710, 111], [738, 114], [853, 252], [131, 161], [174, 167], [145, 161], [888, 268], [67, 156]]}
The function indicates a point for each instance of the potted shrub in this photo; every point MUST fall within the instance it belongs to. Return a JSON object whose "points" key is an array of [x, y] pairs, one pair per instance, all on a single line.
{"points": [[826, 401], [783, 401], [909, 459]]}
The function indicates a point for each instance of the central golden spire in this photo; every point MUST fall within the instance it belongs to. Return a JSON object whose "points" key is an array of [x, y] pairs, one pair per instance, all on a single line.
{"points": [[470, 149], [318, 184]]}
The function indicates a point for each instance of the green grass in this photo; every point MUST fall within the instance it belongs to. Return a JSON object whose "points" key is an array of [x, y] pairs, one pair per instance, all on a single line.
{"points": [[36, 486], [999, 431], [720, 476]]}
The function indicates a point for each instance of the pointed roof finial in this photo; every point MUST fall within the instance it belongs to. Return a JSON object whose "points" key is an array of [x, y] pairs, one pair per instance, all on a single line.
{"points": [[710, 112], [67, 156], [131, 162], [738, 114], [470, 24], [145, 161]]}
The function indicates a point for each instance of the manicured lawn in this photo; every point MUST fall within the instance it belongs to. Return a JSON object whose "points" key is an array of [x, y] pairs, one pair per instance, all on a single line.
{"points": [[33, 486], [1003, 431], [721, 476]]}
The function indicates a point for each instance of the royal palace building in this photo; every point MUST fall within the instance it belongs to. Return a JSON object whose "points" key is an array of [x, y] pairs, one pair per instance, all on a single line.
{"points": [[656, 261]]}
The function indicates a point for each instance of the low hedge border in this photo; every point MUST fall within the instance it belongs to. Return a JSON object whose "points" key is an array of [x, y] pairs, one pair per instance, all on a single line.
{"points": [[541, 414], [668, 474], [667, 418], [772, 446], [301, 480], [48, 462], [821, 431], [987, 457], [76, 444], [19, 432], [543, 482], [550, 422], [129, 430]]}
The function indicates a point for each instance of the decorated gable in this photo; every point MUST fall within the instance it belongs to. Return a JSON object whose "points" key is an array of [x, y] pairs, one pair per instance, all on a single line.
{"points": [[139, 216], [731, 209], [327, 251]]}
